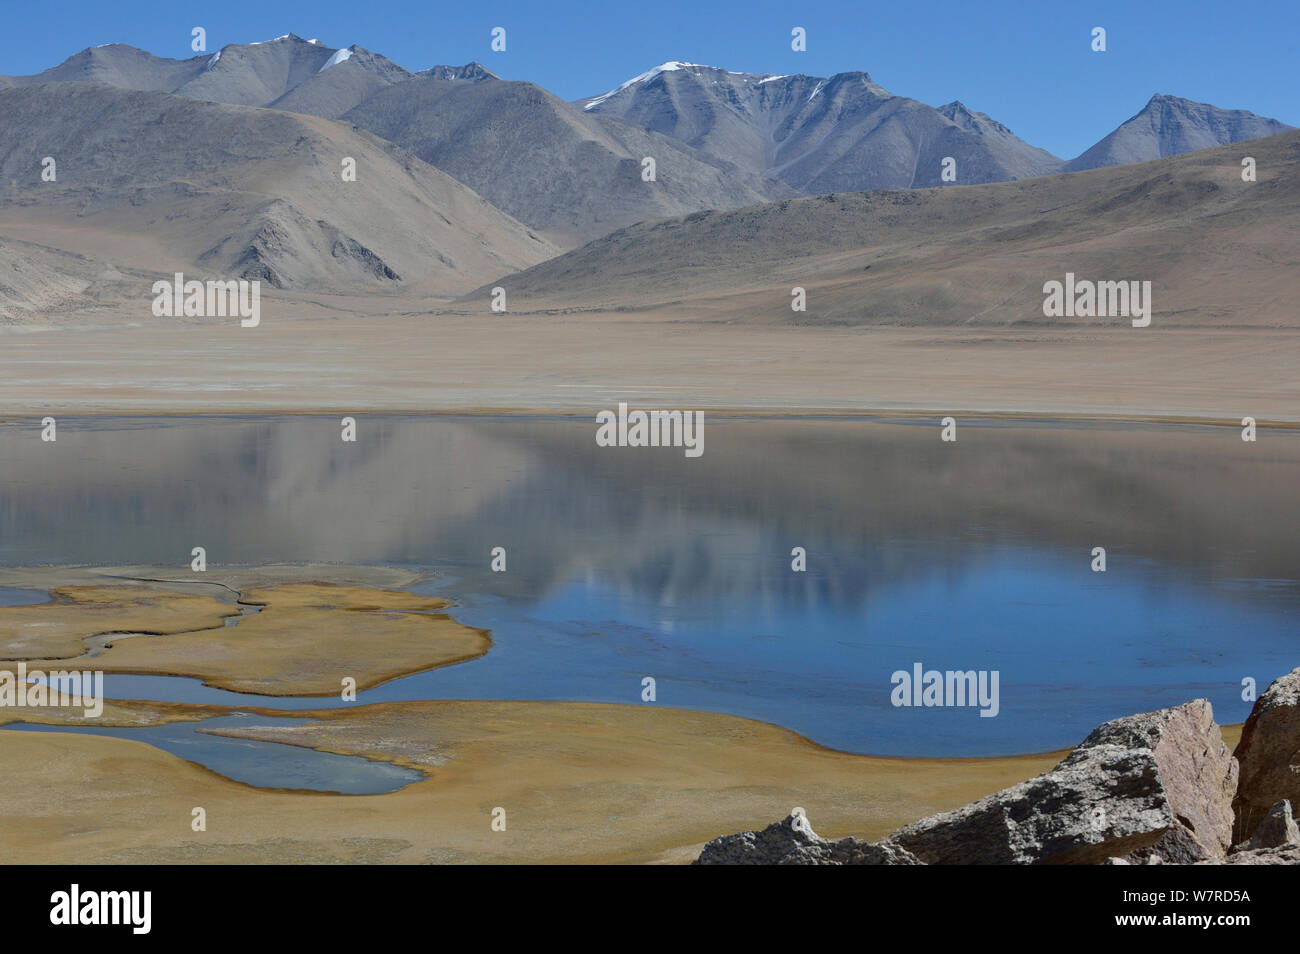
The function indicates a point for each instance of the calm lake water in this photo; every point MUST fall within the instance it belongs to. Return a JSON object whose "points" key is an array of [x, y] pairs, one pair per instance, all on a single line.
{"points": [[631, 562], [263, 764]]}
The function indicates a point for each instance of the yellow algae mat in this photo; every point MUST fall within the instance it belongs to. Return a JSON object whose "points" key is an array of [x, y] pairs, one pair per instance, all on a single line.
{"points": [[306, 640]]}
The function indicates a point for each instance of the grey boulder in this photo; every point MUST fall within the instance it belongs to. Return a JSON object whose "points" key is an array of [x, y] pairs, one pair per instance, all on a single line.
{"points": [[1150, 788], [792, 841], [1277, 830], [1269, 754], [1264, 856]]}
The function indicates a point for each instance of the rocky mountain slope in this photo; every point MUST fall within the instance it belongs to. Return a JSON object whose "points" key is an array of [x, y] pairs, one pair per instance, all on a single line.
{"points": [[152, 181], [821, 134], [1214, 247], [547, 164], [245, 74], [1170, 126]]}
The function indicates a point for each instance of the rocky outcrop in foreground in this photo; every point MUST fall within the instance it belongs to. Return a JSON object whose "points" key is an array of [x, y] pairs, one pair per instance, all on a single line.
{"points": [[792, 841], [1155, 788], [1269, 754], [1161, 782]]}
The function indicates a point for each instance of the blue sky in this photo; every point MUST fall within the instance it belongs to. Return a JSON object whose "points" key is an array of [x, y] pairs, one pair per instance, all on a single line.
{"points": [[1027, 64]]}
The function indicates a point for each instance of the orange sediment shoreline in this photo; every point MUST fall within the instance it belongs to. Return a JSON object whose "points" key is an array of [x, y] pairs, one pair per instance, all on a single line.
{"points": [[580, 782]]}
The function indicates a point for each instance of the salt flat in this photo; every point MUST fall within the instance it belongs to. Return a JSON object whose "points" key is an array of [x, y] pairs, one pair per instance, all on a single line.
{"points": [[582, 363]]}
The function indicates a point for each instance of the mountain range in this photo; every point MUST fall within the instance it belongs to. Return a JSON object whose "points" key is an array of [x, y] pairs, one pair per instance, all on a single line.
{"points": [[228, 162], [844, 133], [1218, 251], [151, 181]]}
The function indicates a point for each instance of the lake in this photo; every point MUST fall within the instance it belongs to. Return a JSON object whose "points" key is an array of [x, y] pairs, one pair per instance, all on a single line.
{"points": [[624, 563]]}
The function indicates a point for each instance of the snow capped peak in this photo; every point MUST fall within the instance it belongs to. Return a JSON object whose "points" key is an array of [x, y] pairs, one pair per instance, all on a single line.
{"points": [[315, 41], [669, 67], [673, 66], [640, 78], [277, 39], [338, 57]]}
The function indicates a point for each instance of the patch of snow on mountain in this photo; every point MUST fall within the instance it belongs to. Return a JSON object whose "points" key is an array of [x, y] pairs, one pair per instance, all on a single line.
{"points": [[338, 57], [647, 75], [816, 90], [212, 62]]}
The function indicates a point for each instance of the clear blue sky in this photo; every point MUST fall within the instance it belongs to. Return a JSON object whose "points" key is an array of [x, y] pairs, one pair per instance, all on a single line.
{"points": [[1027, 64]]}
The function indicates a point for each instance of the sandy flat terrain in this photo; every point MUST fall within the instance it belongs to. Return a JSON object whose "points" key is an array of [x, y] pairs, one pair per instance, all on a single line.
{"points": [[583, 363], [58, 629], [580, 782], [307, 637]]}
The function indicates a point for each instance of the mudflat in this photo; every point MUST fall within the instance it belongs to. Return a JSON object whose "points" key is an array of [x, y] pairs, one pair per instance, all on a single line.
{"points": [[672, 358], [579, 782], [307, 638]]}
